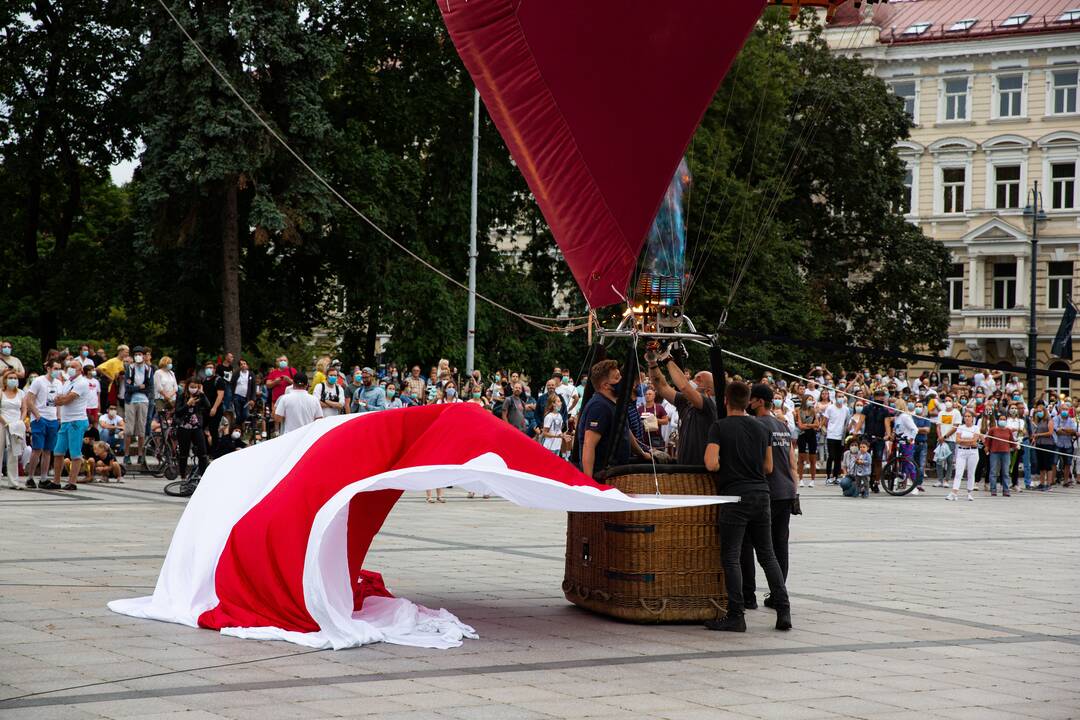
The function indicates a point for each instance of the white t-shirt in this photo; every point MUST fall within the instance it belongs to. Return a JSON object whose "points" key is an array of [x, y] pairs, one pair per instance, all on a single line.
{"points": [[948, 418], [95, 393], [566, 392], [553, 424], [966, 433], [836, 417], [11, 409], [905, 427], [297, 408], [242, 379], [76, 409], [45, 390], [110, 423], [164, 381], [330, 394]]}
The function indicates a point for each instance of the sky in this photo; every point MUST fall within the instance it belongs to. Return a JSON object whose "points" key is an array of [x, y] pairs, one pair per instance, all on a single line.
{"points": [[121, 172]]}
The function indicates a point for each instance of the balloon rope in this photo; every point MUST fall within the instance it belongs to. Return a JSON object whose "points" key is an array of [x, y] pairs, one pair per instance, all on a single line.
{"points": [[540, 323]]}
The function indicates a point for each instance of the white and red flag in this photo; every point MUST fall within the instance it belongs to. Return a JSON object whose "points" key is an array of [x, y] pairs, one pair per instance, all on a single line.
{"points": [[272, 544]]}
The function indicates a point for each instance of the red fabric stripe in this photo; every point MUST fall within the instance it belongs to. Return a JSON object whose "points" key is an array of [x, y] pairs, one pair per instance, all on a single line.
{"points": [[259, 578]]}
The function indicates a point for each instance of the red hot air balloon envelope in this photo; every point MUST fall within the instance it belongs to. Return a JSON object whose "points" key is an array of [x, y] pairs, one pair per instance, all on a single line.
{"points": [[272, 544], [597, 101]]}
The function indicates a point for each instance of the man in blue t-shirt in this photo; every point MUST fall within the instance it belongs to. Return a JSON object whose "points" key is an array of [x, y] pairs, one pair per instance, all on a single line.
{"points": [[595, 429]]}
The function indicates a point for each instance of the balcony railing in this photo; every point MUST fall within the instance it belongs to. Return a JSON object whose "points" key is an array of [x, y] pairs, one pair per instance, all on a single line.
{"points": [[992, 322]]}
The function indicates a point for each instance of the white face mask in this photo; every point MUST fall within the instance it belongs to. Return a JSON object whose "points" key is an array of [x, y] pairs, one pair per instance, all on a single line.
{"points": [[138, 359], [71, 372], [235, 434], [112, 413]]}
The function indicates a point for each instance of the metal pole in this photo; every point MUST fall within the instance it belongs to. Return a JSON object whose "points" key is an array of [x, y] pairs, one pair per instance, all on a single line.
{"points": [[470, 338], [1033, 328]]}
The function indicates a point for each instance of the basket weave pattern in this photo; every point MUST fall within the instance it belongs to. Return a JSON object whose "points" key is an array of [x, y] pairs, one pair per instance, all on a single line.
{"points": [[652, 566]]}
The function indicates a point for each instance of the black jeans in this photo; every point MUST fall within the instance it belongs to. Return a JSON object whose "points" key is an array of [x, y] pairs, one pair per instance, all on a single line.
{"points": [[185, 438], [832, 465], [750, 518], [781, 520]]}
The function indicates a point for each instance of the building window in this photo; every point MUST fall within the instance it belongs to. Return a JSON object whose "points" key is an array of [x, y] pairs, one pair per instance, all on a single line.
{"points": [[955, 283], [1063, 185], [1004, 286], [1060, 284], [917, 28], [956, 99], [907, 91], [1059, 385], [1069, 16], [952, 184], [1016, 20], [1010, 95], [905, 199], [1065, 84], [963, 25], [1007, 186]]}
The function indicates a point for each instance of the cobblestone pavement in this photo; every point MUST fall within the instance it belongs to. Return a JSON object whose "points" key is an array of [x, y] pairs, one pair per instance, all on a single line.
{"points": [[907, 607]]}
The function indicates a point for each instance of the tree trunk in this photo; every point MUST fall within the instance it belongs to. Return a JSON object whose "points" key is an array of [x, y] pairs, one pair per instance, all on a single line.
{"points": [[230, 269]]}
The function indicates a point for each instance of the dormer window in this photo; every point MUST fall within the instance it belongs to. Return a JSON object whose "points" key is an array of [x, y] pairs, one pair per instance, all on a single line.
{"points": [[917, 28], [963, 25], [1069, 16], [1016, 20]]}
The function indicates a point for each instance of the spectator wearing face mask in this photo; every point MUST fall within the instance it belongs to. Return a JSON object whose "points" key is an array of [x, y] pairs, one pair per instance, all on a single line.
{"points": [[949, 418], [333, 398], [138, 387], [999, 445], [370, 397], [243, 395], [8, 361], [923, 425], [44, 421], [279, 380], [165, 386], [230, 440], [191, 416], [12, 427], [214, 389], [836, 422], [111, 428], [72, 402], [393, 399], [1064, 428]]}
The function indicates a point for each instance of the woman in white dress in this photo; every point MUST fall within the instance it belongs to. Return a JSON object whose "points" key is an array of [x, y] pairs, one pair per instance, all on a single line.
{"points": [[12, 427], [553, 425]]}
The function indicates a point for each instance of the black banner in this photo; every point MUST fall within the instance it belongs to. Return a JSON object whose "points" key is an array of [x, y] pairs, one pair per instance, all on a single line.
{"points": [[1062, 346]]}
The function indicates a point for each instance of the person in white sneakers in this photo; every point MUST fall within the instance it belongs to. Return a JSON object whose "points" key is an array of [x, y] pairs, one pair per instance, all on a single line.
{"points": [[967, 455]]}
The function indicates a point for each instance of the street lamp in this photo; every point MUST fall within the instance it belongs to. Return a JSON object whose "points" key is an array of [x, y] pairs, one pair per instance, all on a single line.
{"points": [[1035, 214]]}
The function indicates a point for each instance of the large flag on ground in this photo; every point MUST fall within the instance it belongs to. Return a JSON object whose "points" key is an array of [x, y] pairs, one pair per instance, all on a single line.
{"points": [[272, 544]]}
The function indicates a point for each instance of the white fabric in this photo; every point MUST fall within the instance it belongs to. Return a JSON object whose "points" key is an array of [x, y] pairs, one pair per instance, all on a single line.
{"points": [[164, 382], [298, 409], [11, 409], [242, 383], [76, 409], [967, 459], [236, 482], [45, 390], [905, 427]]}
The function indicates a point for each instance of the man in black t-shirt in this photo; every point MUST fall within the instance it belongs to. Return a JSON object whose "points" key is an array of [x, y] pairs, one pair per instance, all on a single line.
{"points": [[877, 426], [596, 429], [692, 398], [740, 452]]}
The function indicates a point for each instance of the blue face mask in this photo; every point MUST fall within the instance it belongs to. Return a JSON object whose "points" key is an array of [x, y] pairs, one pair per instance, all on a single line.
{"points": [[208, 372], [332, 379], [6, 351], [168, 366], [1039, 414], [283, 364]]}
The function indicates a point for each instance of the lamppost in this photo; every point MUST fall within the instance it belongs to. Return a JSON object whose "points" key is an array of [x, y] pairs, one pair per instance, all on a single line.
{"points": [[1035, 214]]}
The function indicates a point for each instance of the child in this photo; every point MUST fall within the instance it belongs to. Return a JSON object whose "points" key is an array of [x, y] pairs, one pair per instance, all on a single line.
{"points": [[105, 462], [859, 463], [847, 464]]}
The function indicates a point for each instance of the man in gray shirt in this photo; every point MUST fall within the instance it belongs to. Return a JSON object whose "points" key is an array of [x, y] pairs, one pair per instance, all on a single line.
{"points": [[695, 401], [782, 489]]}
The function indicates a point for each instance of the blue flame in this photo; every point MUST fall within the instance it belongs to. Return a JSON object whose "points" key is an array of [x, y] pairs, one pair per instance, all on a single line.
{"points": [[665, 251]]}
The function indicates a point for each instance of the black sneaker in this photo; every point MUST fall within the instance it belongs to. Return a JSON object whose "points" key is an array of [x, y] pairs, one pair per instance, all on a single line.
{"points": [[30, 484], [728, 623], [48, 485], [874, 489], [783, 618], [749, 602], [768, 602]]}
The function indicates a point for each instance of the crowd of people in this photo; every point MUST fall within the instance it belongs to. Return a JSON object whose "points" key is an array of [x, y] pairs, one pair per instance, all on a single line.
{"points": [[91, 415]]}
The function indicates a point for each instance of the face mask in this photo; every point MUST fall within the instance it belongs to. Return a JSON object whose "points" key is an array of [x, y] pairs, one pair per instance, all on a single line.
{"points": [[910, 406], [1001, 423], [476, 396], [282, 364], [390, 393], [112, 413], [235, 434], [919, 411], [1012, 412], [859, 408], [208, 372], [92, 374], [85, 353], [54, 374], [357, 378], [332, 379], [451, 392], [498, 377], [963, 401], [6, 351], [892, 405], [71, 372], [1039, 414], [138, 359], [948, 404], [13, 383], [777, 402]]}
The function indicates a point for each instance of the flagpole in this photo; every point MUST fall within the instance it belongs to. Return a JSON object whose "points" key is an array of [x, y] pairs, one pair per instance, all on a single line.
{"points": [[470, 338], [1035, 212]]}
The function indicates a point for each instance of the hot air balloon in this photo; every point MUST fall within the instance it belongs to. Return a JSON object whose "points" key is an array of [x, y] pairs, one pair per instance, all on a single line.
{"points": [[597, 102]]}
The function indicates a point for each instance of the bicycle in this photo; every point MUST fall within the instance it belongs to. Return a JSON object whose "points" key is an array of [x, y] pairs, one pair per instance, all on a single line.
{"points": [[186, 487], [162, 445], [898, 472]]}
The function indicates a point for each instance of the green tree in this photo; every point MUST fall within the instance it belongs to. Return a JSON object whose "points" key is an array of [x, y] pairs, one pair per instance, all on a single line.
{"points": [[63, 103], [797, 188]]}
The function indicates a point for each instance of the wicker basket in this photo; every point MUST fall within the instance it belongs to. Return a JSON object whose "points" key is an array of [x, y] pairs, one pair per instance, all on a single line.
{"points": [[652, 566]]}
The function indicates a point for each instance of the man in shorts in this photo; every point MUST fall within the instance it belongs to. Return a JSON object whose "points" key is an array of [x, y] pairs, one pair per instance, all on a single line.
{"points": [[44, 425], [73, 399]]}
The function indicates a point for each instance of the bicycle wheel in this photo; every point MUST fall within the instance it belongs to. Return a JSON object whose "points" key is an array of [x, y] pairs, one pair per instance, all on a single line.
{"points": [[898, 477]]}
